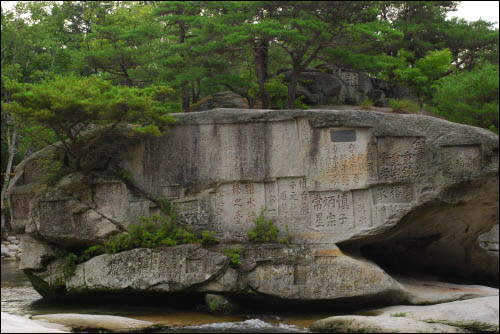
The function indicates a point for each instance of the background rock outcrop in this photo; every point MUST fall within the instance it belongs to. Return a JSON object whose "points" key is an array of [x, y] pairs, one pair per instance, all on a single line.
{"points": [[331, 85], [364, 195]]}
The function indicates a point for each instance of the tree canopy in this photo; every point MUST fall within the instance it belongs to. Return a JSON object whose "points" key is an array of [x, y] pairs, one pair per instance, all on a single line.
{"points": [[69, 64]]}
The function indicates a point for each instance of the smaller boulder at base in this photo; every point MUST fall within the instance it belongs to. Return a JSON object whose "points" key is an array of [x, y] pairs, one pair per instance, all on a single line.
{"points": [[82, 322]]}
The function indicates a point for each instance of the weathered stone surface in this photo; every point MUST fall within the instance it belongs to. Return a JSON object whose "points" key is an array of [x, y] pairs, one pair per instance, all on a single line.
{"points": [[18, 324], [37, 250], [411, 193], [328, 84], [170, 269], [109, 323], [432, 292], [80, 212], [226, 99], [363, 324], [489, 241], [5, 251], [324, 277], [480, 314]]}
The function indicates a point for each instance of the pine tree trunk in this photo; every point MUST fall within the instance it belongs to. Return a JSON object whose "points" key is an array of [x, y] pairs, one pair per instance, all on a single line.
{"points": [[186, 96], [260, 52], [292, 87]]}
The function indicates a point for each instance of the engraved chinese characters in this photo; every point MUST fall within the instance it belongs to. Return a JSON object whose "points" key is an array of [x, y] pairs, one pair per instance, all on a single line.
{"points": [[236, 206], [331, 211], [400, 158], [460, 160], [292, 197], [345, 159], [350, 78]]}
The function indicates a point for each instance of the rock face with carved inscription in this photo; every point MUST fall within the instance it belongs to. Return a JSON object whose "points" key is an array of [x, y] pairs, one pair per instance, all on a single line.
{"points": [[363, 195]]}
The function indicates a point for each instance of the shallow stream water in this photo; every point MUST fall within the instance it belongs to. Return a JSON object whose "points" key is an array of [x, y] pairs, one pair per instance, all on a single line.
{"points": [[19, 297]]}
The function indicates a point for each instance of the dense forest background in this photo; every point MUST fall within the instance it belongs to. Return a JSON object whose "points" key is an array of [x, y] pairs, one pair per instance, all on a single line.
{"points": [[70, 63]]}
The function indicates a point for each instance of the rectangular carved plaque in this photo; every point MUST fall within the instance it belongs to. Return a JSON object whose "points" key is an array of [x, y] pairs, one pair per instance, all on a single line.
{"points": [[343, 136]]}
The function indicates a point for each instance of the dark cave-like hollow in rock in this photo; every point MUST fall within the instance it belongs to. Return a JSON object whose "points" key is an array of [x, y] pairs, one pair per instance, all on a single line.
{"points": [[440, 238]]}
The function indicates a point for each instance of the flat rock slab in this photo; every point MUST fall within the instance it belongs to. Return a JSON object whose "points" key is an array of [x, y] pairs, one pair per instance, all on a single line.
{"points": [[17, 324], [422, 291], [383, 324], [479, 314], [109, 323]]}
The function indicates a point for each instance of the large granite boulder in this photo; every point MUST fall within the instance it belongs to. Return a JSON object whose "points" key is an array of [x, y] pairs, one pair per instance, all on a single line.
{"points": [[363, 195]]}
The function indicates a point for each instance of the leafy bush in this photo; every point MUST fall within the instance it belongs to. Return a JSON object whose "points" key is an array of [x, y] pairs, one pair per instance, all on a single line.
{"points": [[150, 233], [278, 94], [470, 97], [404, 105], [366, 104], [159, 230], [234, 255], [208, 238], [264, 230], [70, 265]]}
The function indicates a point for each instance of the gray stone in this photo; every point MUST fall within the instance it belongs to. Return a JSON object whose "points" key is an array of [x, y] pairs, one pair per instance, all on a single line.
{"points": [[5, 251], [226, 99], [11, 238], [109, 323], [168, 269], [328, 84], [326, 277], [363, 324], [378, 195], [13, 247], [424, 292], [37, 250], [479, 314]]}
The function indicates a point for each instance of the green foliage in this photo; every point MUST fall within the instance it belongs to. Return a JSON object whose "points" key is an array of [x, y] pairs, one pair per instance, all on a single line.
{"points": [[234, 255], [70, 265], [60, 253], [277, 92], [470, 97], [287, 239], [399, 315], [150, 233], [423, 76], [263, 231], [404, 105], [66, 104], [53, 168], [366, 104], [91, 252], [208, 238], [124, 175], [159, 230]]}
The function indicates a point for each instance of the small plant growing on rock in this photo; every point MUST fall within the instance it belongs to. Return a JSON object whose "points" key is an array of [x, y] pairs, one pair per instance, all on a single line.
{"points": [[404, 105], [399, 315], [366, 104], [208, 238], [159, 230], [288, 239], [234, 255], [263, 231], [70, 265]]}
